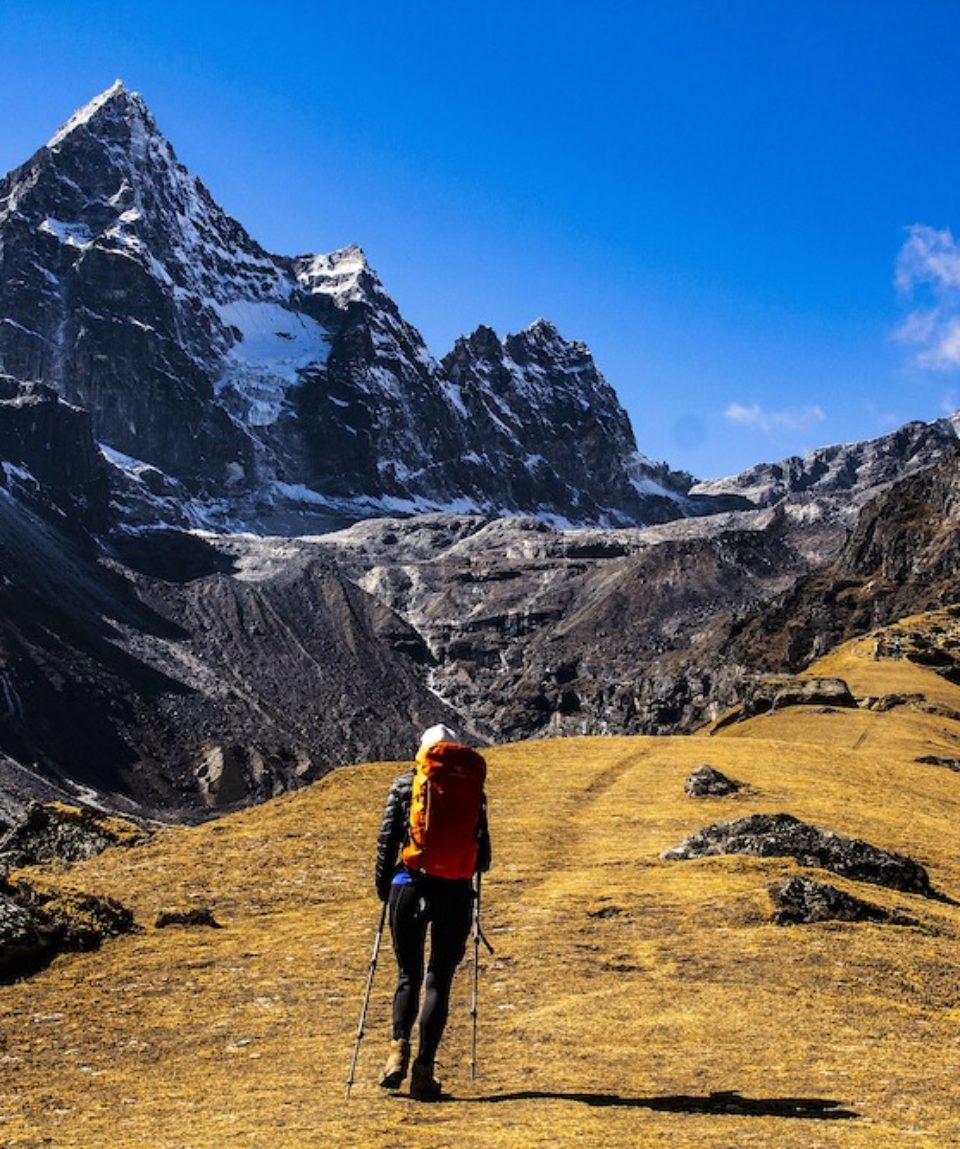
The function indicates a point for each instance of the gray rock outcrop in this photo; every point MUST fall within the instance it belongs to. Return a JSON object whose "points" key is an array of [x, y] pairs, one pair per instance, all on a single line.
{"points": [[60, 833], [783, 836], [708, 782], [884, 702], [772, 694], [36, 926], [801, 901]]}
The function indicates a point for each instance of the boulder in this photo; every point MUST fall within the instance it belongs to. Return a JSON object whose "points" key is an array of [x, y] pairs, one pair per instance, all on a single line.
{"points": [[783, 836], [775, 693], [706, 782], [37, 925], [56, 832], [195, 917], [801, 900], [936, 760]]}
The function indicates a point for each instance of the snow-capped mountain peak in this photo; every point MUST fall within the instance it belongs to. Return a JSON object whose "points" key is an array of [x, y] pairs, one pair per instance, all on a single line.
{"points": [[345, 275], [538, 392], [543, 330], [240, 373], [115, 98]]}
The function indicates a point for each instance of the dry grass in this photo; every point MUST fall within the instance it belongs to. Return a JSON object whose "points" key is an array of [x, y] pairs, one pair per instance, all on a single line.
{"points": [[624, 990]]}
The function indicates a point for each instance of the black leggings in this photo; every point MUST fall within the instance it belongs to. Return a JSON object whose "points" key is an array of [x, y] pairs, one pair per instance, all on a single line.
{"points": [[445, 906]]}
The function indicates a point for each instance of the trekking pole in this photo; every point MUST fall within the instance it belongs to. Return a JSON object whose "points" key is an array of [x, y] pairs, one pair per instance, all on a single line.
{"points": [[478, 936], [366, 998]]}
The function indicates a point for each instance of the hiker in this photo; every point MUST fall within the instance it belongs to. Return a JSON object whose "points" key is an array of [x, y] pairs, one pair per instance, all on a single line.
{"points": [[896, 647], [427, 854], [879, 648]]}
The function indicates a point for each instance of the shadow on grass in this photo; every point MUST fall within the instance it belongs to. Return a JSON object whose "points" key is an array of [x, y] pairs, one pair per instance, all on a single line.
{"points": [[732, 1104]]}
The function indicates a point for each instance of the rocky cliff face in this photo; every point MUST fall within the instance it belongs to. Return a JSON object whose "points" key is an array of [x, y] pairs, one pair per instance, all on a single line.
{"points": [[537, 631], [901, 557], [545, 417], [256, 379], [47, 451], [111, 261]]}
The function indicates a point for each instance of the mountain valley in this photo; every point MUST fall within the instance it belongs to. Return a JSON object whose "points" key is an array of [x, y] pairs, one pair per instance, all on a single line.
{"points": [[251, 529]]}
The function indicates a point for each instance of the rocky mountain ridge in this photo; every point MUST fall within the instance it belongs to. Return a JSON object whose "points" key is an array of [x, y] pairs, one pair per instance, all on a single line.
{"points": [[900, 557], [179, 673], [262, 383], [842, 468]]}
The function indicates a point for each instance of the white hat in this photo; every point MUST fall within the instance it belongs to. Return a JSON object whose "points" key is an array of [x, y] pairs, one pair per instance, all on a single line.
{"points": [[438, 733]]}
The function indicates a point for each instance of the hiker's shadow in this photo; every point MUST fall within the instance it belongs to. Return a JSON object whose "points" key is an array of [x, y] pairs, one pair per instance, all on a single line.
{"points": [[732, 1104]]}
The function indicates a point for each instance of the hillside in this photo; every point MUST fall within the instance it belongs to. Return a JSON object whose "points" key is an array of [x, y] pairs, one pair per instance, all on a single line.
{"points": [[631, 1000]]}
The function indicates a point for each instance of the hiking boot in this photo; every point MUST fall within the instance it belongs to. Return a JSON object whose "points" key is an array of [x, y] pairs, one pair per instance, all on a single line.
{"points": [[397, 1061], [423, 1085]]}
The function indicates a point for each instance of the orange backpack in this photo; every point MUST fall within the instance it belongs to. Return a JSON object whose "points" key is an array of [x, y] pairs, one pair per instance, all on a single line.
{"points": [[445, 811]]}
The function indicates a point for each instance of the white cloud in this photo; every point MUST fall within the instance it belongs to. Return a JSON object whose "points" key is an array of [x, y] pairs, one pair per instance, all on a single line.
{"points": [[928, 257], [928, 274], [950, 402], [918, 327], [790, 419], [943, 352]]}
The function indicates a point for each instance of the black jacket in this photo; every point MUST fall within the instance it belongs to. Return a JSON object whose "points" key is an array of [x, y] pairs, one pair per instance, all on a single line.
{"points": [[393, 834]]}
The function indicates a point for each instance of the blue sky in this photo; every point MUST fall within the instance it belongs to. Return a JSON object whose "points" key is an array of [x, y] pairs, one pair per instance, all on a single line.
{"points": [[745, 209]]}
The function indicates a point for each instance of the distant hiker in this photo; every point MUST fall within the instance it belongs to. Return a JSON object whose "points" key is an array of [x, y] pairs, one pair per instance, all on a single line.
{"points": [[879, 648], [896, 647], [432, 840]]}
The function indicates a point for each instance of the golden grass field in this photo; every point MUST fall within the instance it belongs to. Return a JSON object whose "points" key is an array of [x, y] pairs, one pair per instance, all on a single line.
{"points": [[618, 1028]]}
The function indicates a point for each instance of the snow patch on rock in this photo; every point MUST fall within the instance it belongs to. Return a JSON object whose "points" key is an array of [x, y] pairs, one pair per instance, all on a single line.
{"points": [[274, 344]]}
